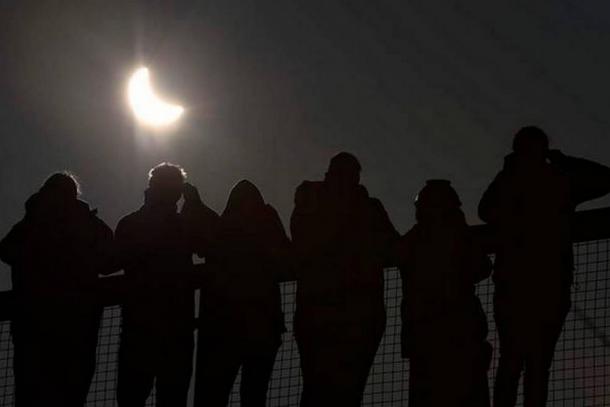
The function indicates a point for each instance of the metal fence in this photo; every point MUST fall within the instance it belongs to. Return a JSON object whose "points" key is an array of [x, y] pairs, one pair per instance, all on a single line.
{"points": [[580, 373]]}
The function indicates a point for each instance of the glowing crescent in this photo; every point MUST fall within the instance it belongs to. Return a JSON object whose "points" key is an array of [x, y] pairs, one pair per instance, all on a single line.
{"points": [[146, 105]]}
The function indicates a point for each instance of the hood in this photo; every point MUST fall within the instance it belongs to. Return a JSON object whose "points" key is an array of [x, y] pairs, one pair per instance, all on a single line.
{"points": [[44, 205], [245, 198]]}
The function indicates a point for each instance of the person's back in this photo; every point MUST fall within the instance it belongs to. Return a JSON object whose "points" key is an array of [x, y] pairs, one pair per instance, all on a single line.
{"points": [[341, 238], [157, 254], [530, 206], [241, 319], [56, 253], [444, 326], [155, 248], [246, 269], [533, 233], [344, 239]]}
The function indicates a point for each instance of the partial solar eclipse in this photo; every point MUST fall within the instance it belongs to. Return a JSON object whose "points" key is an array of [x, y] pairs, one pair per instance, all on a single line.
{"points": [[149, 108]]}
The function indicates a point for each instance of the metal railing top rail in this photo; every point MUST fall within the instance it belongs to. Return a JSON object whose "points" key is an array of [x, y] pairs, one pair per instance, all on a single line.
{"points": [[589, 225]]}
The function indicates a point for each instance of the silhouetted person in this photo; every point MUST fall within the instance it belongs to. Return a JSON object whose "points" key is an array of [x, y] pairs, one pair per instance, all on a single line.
{"points": [[156, 244], [56, 253], [341, 237], [444, 326], [241, 315], [530, 205]]}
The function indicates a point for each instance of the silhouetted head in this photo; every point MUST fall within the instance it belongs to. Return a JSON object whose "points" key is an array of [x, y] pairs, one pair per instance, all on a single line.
{"points": [[531, 143], [244, 199], [56, 198], [344, 170], [437, 202], [61, 186], [165, 183]]}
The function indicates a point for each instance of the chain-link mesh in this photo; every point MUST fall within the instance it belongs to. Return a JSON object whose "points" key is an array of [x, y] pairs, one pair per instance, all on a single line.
{"points": [[580, 374]]}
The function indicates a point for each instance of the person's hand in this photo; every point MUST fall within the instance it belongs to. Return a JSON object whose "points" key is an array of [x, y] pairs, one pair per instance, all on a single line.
{"points": [[190, 193]]}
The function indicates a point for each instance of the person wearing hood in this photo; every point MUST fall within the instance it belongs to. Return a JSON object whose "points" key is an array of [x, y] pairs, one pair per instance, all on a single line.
{"points": [[241, 319], [56, 253], [530, 206], [155, 247], [444, 326], [342, 239]]}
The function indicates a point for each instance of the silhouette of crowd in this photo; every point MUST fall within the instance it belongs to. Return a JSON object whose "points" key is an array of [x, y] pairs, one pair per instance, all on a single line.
{"points": [[341, 241]]}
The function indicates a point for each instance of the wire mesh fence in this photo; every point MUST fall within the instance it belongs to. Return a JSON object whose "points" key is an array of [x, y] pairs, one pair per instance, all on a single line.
{"points": [[580, 374]]}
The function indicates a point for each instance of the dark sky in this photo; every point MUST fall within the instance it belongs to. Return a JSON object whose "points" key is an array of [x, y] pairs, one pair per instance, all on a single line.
{"points": [[416, 89]]}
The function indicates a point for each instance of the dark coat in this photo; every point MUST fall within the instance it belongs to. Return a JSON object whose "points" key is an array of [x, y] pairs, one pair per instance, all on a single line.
{"points": [[341, 247], [57, 252], [155, 247], [242, 300], [531, 211], [440, 267]]}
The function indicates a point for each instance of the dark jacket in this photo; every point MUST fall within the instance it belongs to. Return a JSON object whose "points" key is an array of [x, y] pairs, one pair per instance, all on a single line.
{"points": [[531, 211], [57, 252], [155, 247], [242, 301], [341, 247], [440, 267]]}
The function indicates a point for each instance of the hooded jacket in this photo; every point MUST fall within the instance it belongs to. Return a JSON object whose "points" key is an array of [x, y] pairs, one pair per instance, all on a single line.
{"points": [[242, 300], [57, 251]]}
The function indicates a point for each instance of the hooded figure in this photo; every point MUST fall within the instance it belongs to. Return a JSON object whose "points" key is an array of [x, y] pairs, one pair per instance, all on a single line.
{"points": [[156, 245], [530, 206], [241, 315], [56, 253], [444, 326], [341, 238]]}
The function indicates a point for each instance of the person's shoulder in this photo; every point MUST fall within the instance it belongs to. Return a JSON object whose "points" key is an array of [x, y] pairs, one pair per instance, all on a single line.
{"points": [[407, 243], [272, 216], [503, 175], [306, 194], [376, 205], [99, 223], [21, 226], [271, 211], [375, 202], [309, 187], [89, 218], [130, 220], [410, 236]]}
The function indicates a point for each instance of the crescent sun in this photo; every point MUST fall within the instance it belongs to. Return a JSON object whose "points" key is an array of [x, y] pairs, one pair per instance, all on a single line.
{"points": [[149, 108]]}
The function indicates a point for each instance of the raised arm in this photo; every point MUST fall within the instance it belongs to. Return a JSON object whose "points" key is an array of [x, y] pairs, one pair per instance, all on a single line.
{"points": [[200, 221], [589, 180]]}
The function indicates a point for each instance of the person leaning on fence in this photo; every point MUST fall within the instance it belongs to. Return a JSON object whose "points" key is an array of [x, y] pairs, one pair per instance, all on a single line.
{"points": [[155, 248], [56, 253], [241, 319], [444, 326], [341, 237], [530, 205]]}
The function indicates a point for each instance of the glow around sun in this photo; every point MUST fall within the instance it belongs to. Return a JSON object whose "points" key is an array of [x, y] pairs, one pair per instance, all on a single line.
{"points": [[147, 106]]}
